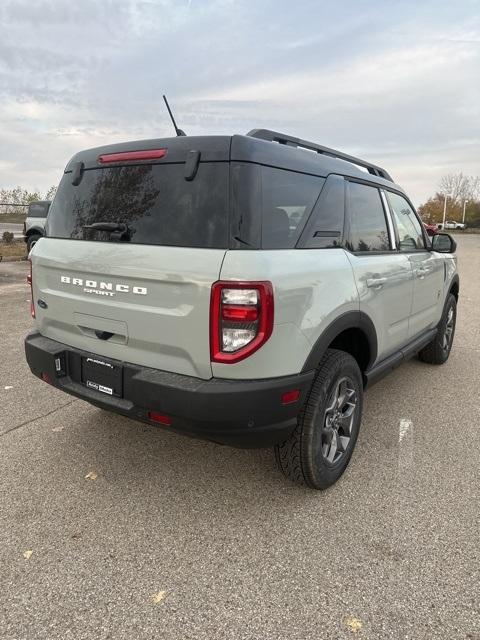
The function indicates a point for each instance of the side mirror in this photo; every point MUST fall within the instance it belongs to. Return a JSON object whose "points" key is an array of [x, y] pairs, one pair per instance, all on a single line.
{"points": [[444, 243]]}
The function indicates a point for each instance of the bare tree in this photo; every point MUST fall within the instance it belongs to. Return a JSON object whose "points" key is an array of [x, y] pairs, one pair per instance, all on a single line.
{"points": [[50, 194], [475, 187], [460, 186]]}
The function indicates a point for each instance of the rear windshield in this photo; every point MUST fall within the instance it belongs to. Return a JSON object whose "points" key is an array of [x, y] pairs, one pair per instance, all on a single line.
{"points": [[156, 202]]}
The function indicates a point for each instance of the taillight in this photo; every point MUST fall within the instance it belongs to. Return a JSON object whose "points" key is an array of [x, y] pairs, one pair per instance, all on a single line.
{"points": [[29, 281], [241, 319], [131, 156]]}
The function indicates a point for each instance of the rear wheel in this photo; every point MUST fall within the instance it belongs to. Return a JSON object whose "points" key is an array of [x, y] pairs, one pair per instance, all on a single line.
{"points": [[32, 240], [319, 449], [438, 350]]}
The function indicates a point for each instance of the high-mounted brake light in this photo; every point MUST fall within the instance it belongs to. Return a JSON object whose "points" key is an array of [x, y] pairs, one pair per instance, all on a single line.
{"points": [[241, 319], [130, 156], [29, 281]]}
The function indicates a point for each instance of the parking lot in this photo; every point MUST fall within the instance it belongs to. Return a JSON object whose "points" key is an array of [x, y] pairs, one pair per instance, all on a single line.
{"points": [[114, 529]]}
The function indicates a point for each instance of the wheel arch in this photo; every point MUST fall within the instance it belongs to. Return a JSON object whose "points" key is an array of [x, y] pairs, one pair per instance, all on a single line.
{"points": [[35, 231], [353, 332], [454, 288]]}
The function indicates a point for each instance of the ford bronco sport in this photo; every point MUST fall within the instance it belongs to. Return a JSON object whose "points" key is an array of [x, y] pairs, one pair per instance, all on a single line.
{"points": [[34, 225], [241, 289]]}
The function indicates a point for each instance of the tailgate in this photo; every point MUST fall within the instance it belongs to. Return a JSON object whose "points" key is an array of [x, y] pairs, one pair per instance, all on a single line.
{"points": [[144, 304]]}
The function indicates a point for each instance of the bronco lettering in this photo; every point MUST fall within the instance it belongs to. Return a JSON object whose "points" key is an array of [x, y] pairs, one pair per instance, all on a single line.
{"points": [[103, 288]]}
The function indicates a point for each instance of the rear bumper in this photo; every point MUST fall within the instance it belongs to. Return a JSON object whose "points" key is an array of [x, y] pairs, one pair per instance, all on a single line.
{"points": [[241, 413]]}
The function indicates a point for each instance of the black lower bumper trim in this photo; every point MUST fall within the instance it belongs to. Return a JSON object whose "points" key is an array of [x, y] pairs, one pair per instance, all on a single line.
{"points": [[242, 413]]}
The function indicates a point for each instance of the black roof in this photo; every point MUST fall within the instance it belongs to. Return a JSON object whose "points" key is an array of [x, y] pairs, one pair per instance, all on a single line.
{"points": [[251, 149], [212, 148], [260, 146]]}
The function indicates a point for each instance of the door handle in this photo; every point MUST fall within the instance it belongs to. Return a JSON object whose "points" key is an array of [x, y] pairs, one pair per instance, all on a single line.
{"points": [[375, 283]]}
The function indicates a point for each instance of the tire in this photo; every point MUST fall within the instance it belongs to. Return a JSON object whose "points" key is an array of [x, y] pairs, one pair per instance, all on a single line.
{"points": [[31, 240], [438, 350], [308, 456]]}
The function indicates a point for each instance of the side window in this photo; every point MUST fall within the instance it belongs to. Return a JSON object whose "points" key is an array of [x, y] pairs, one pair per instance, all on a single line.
{"points": [[245, 202], [408, 226], [287, 201], [368, 226], [324, 229]]}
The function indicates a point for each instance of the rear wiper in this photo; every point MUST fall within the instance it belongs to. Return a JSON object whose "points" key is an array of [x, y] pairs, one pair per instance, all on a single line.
{"points": [[117, 230], [242, 241]]}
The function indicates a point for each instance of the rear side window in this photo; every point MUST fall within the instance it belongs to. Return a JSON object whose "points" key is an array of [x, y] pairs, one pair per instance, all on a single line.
{"points": [[368, 226], [287, 202], [324, 229], [155, 201]]}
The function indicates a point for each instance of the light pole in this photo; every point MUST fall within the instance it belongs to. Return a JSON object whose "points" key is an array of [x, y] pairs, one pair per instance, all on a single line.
{"points": [[447, 195], [464, 204]]}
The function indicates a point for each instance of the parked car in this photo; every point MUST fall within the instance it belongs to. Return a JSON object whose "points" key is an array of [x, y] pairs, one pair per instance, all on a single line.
{"points": [[174, 288], [451, 224], [34, 225], [431, 229]]}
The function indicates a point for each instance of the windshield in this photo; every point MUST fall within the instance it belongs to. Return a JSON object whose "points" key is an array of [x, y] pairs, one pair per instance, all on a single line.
{"points": [[38, 210]]}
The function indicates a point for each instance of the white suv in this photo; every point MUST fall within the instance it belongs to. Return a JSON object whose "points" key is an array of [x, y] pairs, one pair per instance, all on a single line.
{"points": [[34, 225], [451, 224], [241, 289]]}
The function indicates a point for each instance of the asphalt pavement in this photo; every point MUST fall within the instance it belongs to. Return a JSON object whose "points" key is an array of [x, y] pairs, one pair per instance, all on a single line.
{"points": [[114, 529]]}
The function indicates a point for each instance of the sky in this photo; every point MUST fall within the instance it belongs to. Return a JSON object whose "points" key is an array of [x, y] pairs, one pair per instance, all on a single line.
{"points": [[394, 82]]}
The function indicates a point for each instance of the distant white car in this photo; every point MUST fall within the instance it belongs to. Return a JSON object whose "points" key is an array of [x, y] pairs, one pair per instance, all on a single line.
{"points": [[451, 224]]}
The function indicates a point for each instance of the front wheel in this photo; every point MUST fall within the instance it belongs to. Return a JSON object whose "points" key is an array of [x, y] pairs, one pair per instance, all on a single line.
{"points": [[319, 449], [32, 241], [438, 350]]}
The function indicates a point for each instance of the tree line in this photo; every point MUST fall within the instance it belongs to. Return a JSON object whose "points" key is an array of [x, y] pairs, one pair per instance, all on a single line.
{"points": [[461, 190], [459, 187], [20, 196]]}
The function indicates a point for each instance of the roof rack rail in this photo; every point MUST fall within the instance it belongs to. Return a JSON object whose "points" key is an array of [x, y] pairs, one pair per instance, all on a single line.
{"points": [[282, 138]]}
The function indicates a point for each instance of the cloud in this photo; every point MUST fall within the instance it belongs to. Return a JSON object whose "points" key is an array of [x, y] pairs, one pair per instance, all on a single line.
{"points": [[397, 84]]}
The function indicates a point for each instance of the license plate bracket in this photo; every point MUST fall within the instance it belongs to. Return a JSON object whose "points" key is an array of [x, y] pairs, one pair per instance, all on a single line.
{"points": [[102, 375]]}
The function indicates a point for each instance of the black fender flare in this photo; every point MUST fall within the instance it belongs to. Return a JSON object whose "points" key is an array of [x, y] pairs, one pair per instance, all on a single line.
{"points": [[348, 320], [34, 231], [453, 281]]}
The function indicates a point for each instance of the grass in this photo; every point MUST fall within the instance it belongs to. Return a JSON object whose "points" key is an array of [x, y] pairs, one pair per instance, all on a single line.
{"points": [[13, 217], [14, 250]]}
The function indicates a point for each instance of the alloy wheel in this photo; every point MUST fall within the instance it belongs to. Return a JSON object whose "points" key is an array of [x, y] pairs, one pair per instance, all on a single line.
{"points": [[449, 327], [338, 420]]}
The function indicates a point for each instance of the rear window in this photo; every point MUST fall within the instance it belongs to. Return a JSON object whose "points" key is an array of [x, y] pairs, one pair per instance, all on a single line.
{"points": [[159, 206]]}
